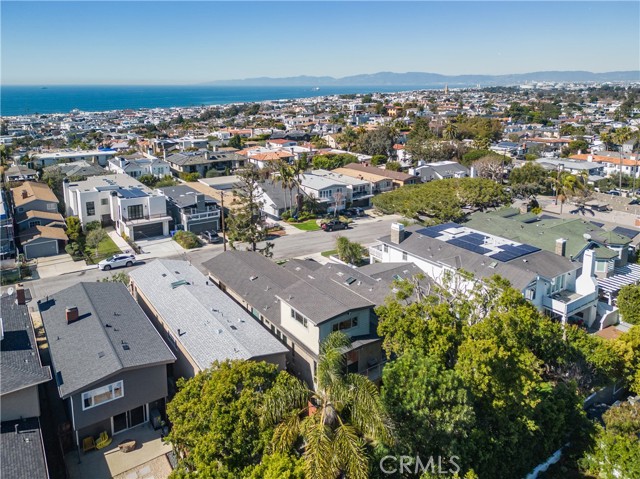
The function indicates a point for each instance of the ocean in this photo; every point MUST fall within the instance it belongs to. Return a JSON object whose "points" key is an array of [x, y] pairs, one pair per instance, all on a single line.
{"points": [[28, 100]]}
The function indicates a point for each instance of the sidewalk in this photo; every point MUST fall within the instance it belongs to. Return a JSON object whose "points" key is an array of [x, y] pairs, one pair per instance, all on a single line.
{"points": [[117, 239], [61, 264]]}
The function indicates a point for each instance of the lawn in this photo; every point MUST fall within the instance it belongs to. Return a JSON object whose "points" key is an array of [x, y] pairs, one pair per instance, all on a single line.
{"points": [[106, 248], [309, 225], [326, 254]]}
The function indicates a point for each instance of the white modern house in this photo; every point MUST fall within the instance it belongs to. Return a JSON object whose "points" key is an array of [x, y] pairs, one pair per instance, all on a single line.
{"points": [[359, 191], [331, 193], [138, 165], [100, 157], [562, 289], [133, 209]]}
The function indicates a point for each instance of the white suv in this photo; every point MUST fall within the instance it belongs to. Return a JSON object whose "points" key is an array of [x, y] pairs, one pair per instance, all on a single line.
{"points": [[117, 261]]}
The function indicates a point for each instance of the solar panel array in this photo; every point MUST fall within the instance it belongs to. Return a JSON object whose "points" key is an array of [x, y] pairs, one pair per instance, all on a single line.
{"points": [[509, 252], [434, 231], [628, 232], [469, 246]]}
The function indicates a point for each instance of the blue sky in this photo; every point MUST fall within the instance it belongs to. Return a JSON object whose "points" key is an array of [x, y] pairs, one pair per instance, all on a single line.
{"points": [[193, 42]]}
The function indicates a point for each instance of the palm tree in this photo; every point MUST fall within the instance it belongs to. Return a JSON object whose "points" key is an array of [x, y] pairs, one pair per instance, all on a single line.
{"points": [[450, 131], [284, 177], [566, 185], [620, 137], [335, 422]]}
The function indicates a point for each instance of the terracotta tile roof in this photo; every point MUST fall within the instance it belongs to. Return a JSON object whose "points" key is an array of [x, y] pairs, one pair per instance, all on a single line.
{"points": [[34, 191], [271, 156], [394, 175], [606, 159]]}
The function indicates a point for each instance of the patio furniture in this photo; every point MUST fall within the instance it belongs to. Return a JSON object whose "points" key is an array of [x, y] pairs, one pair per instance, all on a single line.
{"points": [[103, 441], [127, 445], [88, 443]]}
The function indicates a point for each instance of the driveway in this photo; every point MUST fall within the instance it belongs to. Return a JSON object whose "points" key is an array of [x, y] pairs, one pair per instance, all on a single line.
{"points": [[60, 264]]}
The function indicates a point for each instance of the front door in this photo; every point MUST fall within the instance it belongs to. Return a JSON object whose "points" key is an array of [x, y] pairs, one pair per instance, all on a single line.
{"points": [[129, 419]]}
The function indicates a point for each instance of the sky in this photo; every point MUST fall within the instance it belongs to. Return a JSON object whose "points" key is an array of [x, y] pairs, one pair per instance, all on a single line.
{"points": [[164, 42]]}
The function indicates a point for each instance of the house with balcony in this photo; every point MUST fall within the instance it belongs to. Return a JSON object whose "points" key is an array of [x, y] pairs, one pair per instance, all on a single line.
{"points": [[302, 302], [397, 178], [359, 191], [119, 200], [202, 161], [331, 194], [191, 210], [7, 240], [138, 165], [565, 290], [199, 322], [21, 444], [379, 184], [109, 362]]}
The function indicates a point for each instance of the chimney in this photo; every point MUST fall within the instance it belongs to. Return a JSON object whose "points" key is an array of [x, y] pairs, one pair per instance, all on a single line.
{"points": [[215, 148], [561, 247], [20, 297], [206, 155], [200, 204], [71, 313], [397, 233], [24, 194]]}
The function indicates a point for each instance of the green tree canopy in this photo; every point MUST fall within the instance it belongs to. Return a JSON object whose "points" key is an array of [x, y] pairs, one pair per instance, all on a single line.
{"points": [[628, 302], [529, 180], [332, 161]]}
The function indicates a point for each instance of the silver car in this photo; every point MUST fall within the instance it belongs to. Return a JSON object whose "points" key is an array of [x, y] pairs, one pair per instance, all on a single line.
{"points": [[117, 261]]}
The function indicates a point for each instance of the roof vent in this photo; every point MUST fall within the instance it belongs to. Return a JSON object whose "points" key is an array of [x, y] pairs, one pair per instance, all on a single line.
{"points": [[253, 278]]}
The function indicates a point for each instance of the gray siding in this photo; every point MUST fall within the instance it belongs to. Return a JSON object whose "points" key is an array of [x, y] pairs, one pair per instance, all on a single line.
{"points": [[20, 404], [41, 247], [37, 205], [141, 386]]}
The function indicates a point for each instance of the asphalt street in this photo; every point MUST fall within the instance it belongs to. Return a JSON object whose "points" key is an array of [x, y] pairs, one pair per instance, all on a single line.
{"points": [[291, 246]]}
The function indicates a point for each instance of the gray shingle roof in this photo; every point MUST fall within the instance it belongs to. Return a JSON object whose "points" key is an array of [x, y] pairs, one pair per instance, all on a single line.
{"points": [[212, 326], [22, 453], [20, 365], [184, 196], [93, 347]]}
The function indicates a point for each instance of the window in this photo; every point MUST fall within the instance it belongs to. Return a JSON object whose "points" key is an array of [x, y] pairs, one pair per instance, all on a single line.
{"points": [[135, 212], [91, 208], [601, 266], [385, 248], [34, 223], [347, 324], [104, 201], [52, 207], [102, 395], [404, 256], [298, 317]]}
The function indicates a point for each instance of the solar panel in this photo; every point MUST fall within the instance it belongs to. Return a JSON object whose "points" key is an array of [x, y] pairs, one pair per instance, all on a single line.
{"points": [[503, 256], [434, 231], [473, 238], [461, 243], [628, 232], [595, 223]]}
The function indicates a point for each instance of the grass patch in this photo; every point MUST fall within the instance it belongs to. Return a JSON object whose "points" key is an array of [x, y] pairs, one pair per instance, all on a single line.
{"points": [[331, 252], [309, 225], [105, 248]]}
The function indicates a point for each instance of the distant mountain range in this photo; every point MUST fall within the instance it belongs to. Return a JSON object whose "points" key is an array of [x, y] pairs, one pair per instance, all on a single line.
{"points": [[416, 79]]}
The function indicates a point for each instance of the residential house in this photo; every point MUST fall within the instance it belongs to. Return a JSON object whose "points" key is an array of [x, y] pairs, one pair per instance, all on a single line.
{"points": [[268, 158], [191, 210], [20, 173], [22, 454], [40, 226], [359, 192], [131, 207], [200, 322], [329, 193], [552, 283], [137, 165], [397, 178], [379, 183], [76, 170], [439, 170], [203, 160], [275, 199], [508, 148], [614, 162], [302, 302], [99, 157], [594, 171], [109, 362], [7, 237]]}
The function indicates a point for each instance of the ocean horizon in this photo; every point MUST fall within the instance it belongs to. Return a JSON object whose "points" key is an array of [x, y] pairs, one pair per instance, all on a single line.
{"points": [[42, 99]]}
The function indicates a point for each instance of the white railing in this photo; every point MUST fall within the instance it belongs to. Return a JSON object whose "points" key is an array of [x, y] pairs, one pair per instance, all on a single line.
{"points": [[204, 215]]}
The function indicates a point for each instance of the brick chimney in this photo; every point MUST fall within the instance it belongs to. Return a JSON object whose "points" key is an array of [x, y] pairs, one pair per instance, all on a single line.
{"points": [[25, 194], [20, 297], [561, 247], [71, 313], [397, 233]]}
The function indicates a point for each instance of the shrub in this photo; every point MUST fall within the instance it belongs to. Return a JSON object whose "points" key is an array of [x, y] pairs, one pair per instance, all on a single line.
{"points": [[186, 239], [190, 176], [92, 225], [629, 303], [286, 215]]}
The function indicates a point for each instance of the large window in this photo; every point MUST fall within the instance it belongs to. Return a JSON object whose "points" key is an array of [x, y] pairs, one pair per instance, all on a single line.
{"points": [[102, 395], [298, 317], [347, 324], [91, 208], [135, 212]]}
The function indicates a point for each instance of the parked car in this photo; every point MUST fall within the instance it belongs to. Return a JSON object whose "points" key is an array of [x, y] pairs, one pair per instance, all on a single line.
{"points": [[614, 193], [211, 237], [334, 225], [117, 261]]}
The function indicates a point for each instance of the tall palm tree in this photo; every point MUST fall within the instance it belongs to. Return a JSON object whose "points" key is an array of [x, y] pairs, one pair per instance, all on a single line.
{"points": [[620, 137], [566, 185], [450, 131], [335, 422], [283, 175]]}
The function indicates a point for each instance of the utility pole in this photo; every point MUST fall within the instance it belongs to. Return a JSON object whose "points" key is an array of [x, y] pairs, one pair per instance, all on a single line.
{"points": [[224, 232]]}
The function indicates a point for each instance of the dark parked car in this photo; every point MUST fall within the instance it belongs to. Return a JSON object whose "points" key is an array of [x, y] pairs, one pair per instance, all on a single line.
{"points": [[334, 225], [211, 237]]}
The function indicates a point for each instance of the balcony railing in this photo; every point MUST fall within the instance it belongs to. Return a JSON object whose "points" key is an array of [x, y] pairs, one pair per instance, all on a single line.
{"points": [[142, 219], [202, 216], [566, 303], [374, 372], [376, 253]]}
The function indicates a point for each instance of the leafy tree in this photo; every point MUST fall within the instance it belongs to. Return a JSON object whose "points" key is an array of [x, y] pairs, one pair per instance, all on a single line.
{"points": [[333, 161], [349, 251], [378, 160], [419, 139], [377, 142], [186, 239], [616, 453], [627, 347], [319, 142], [235, 142], [393, 166], [92, 225], [214, 422], [74, 228], [276, 466], [120, 277], [337, 421], [574, 147], [491, 166], [529, 180], [190, 176], [95, 237], [473, 155], [148, 180], [246, 223], [348, 138], [166, 181], [628, 302]]}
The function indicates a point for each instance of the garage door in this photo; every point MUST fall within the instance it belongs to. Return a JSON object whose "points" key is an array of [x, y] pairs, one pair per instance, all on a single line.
{"points": [[147, 231], [40, 250], [204, 226]]}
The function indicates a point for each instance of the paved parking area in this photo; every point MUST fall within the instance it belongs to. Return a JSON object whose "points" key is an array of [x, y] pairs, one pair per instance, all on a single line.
{"points": [[60, 264]]}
